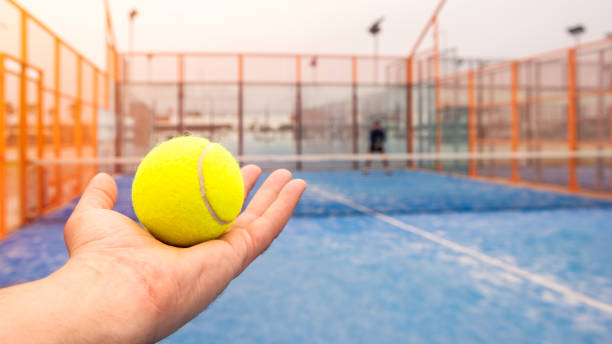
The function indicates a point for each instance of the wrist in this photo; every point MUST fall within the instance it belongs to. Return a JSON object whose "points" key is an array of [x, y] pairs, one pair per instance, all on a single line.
{"points": [[103, 303]]}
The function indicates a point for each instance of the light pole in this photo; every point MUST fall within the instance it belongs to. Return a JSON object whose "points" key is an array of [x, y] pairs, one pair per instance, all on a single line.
{"points": [[132, 16], [576, 31], [374, 31]]}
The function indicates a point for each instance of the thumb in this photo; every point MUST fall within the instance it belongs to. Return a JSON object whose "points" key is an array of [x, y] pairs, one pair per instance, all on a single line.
{"points": [[100, 193]]}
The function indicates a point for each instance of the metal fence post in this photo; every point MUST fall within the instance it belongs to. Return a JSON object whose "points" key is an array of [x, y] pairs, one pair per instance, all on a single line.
{"points": [[180, 97], [40, 145], [298, 109], [240, 105], [610, 137], [601, 66], [78, 123], [119, 83], [56, 126], [355, 130], [419, 108], [2, 151], [471, 123], [537, 120], [109, 64], [94, 124], [438, 100], [23, 123], [409, 112], [571, 117], [514, 127]]}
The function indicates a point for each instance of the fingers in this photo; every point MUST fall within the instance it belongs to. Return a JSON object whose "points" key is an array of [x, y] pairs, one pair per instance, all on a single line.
{"points": [[266, 194], [267, 227], [100, 193], [248, 243], [274, 203], [215, 263], [250, 174]]}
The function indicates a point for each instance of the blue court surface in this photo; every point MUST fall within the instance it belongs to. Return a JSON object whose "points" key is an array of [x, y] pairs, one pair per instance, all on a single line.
{"points": [[412, 258]]}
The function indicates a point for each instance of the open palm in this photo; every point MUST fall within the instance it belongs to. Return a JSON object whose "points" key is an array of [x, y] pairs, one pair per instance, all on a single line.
{"points": [[144, 289]]}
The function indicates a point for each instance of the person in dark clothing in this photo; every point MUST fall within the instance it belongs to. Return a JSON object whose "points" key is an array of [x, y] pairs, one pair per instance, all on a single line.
{"points": [[377, 141]]}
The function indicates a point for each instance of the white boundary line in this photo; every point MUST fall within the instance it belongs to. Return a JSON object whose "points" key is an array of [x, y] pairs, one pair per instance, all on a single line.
{"points": [[534, 278]]}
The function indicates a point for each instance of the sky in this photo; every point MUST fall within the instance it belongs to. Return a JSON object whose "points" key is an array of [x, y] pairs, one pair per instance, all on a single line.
{"points": [[477, 28]]}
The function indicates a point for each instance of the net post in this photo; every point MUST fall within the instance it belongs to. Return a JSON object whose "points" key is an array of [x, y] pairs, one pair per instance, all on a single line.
{"points": [[240, 105], [409, 112], [180, 96], [40, 144], [354, 110], [471, 124], [515, 122], [2, 151], [56, 125], [298, 109], [438, 114], [78, 123], [23, 125], [571, 117]]}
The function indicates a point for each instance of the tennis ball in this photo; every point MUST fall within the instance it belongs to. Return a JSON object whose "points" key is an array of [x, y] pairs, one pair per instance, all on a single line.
{"points": [[187, 190]]}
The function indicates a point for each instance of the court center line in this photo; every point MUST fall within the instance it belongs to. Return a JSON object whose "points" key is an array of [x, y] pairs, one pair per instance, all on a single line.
{"points": [[534, 278]]}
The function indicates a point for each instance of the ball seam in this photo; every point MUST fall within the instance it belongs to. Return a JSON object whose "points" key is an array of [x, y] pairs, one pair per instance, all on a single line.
{"points": [[211, 211]]}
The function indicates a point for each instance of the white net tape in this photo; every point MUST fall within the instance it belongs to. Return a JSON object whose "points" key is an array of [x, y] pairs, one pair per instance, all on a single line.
{"points": [[581, 154]]}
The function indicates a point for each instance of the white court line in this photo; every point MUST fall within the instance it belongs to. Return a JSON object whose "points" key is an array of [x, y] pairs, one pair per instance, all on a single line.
{"points": [[537, 279]]}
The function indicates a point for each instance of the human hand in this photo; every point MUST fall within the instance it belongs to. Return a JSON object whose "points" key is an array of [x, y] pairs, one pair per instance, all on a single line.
{"points": [[122, 285]]}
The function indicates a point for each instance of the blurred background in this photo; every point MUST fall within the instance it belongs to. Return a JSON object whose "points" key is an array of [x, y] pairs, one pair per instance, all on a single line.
{"points": [[497, 118]]}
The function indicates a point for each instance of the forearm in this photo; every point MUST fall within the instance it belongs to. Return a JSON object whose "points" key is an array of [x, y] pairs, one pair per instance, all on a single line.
{"points": [[55, 309], [34, 312]]}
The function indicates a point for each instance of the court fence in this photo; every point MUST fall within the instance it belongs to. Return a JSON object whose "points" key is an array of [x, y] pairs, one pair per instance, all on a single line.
{"points": [[300, 104], [50, 100]]}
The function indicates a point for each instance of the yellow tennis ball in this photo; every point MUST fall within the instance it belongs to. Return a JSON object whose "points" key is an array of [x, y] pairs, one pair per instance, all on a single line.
{"points": [[187, 190]]}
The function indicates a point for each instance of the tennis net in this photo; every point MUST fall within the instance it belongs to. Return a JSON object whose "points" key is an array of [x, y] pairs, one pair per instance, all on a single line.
{"points": [[423, 182]]}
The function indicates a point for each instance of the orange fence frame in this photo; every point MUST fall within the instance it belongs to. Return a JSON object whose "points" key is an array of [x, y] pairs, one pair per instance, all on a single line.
{"points": [[298, 108], [3, 195], [40, 145], [32, 143], [409, 112], [354, 108], [515, 121], [437, 96], [240, 104], [471, 124], [571, 116], [23, 125], [78, 125], [56, 126]]}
